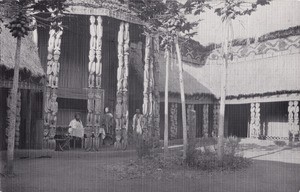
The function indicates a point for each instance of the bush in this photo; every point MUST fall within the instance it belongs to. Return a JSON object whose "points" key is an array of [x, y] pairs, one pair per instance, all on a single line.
{"points": [[231, 145], [280, 143], [208, 160]]}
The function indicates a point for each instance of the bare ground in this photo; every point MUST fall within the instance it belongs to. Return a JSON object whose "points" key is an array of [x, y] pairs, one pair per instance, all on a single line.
{"points": [[273, 169]]}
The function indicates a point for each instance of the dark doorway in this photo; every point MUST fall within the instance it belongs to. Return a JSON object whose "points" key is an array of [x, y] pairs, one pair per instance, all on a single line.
{"points": [[237, 117]]}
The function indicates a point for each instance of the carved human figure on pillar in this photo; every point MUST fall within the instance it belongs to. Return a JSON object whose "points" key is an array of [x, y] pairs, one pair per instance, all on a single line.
{"points": [[125, 111], [119, 112]]}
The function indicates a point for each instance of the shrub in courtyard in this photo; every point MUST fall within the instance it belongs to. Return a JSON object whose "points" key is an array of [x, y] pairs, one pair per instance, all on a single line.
{"points": [[143, 147], [280, 143], [204, 158], [231, 145]]}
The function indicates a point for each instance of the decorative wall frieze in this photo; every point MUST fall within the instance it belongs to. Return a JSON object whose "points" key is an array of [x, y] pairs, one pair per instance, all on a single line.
{"points": [[270, 48]]}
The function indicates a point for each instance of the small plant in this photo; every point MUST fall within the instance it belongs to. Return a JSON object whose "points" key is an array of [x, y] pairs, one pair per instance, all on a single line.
{"points": [[231, 145], [280, 143], [208, 160], [143, 147]]}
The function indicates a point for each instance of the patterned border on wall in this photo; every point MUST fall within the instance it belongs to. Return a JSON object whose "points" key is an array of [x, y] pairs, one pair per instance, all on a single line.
{"points": [[271, 48]]}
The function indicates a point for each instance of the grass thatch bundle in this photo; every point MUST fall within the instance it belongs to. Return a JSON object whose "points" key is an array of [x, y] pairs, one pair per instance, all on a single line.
{"points": [[29, 53]]}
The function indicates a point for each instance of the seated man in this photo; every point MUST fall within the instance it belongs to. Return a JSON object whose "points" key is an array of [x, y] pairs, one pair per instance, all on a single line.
{"points": [[75, 127]]}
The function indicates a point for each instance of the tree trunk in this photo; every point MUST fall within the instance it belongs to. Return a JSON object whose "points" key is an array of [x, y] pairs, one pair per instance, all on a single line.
{"points": [[182, 99], [229, 34], [12, 115], [166, 131], [222, 110]]}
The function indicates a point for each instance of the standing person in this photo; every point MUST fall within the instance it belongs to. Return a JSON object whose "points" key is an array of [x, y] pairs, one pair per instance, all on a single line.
{"points": [[76, 129], [137, 122], [108, 122]]}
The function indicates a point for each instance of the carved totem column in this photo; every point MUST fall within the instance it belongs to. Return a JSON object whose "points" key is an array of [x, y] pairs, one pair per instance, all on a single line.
{"points": [[205, 120], [174, 122], [255, 120], [216, 111], [122, 82], [95, 105], [146, 106], [53, 65], [293, 120], [151, 90]]}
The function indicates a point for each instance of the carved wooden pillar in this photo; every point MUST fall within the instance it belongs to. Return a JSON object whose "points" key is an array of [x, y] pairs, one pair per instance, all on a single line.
{"points": [[91, 79], [53, 66], [173, 120], [95, 100], [205, 120], [146, 131], [189, 108], [156, 100], [122, 81], [255, 120], [151, 90], [18, 117], [192, 128], [125, 78], [216, 111], [293, 120]]}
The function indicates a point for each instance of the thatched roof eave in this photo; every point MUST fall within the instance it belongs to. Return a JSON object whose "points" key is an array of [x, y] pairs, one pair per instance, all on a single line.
{"points": [[29, 60]]}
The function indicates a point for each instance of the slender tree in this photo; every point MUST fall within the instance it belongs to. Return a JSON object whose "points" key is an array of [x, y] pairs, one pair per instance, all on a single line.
{"points": [[19, 22], [228, 10], [167, 18]]}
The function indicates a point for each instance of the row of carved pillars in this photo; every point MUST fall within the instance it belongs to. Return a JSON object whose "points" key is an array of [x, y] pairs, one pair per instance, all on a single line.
{"points": [[255, 125], [50, 103], [151, 90], [190, 107], [94, 91]]}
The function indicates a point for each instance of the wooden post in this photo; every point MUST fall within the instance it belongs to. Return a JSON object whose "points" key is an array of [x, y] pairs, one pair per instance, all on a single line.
{"points": [[166, 130], [28, 118], [293, 110], [173, 120], [205, 120], [216, 111], [53, 67], [254, 120], [156, 103]]}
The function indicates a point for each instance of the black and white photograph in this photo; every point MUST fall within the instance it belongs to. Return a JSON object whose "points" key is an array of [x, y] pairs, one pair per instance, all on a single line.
{"points": [[149, 95]]}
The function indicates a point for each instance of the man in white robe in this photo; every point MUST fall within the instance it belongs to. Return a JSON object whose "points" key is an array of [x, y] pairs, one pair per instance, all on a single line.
{"points": [[75, 127]]}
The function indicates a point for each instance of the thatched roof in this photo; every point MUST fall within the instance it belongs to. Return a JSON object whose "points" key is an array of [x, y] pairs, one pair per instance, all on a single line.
{"points": [[260, 69], [29, 54], [191, 85]]}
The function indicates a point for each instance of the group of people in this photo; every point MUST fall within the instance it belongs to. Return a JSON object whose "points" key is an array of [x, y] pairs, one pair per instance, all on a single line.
{"points": [[105, 134]]}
